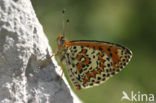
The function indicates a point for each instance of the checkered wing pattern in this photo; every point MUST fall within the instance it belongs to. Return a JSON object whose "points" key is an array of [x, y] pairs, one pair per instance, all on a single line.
{"points": [[90, 63]]}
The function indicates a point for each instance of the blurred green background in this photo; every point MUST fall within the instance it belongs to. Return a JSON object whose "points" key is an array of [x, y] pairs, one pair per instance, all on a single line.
{"points": [[127, 22]]}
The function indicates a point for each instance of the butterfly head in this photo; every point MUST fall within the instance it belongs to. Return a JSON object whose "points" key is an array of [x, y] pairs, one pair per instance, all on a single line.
{"points": [[60, 40]]}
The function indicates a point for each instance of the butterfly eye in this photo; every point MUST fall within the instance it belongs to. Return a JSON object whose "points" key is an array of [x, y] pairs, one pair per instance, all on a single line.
{"points": [[62, 40]]}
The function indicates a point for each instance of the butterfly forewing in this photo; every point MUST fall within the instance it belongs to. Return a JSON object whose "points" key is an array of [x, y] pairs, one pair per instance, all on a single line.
{"points": [[90, 63]]}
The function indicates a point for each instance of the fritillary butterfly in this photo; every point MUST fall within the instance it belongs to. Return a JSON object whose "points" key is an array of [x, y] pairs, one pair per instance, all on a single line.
{"points": [[90, 62]]}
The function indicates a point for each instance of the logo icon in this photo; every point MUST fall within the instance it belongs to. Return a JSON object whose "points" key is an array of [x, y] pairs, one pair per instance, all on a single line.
{"points": [[125, 96]]}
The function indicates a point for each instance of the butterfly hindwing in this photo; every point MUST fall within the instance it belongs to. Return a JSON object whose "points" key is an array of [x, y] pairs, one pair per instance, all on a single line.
{"points": [[91, 63]]}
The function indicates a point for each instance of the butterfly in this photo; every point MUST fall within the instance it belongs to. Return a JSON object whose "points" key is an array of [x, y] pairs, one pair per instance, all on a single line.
{"points": [[89, 62]]}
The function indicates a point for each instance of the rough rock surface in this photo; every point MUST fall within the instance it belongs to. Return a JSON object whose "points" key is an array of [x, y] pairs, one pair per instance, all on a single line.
{"points": [[23, 47]]}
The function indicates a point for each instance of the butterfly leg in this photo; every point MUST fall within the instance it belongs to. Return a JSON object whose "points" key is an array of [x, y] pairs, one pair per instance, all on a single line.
{"points": [[46, 62]]}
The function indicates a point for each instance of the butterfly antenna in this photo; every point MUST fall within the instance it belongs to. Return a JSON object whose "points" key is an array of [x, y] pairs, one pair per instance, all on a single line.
{"points": [[66, 27], [63, 11]]}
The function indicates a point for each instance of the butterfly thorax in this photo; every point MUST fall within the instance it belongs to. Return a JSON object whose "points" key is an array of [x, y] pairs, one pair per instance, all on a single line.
{"points": [[61, 47]]}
